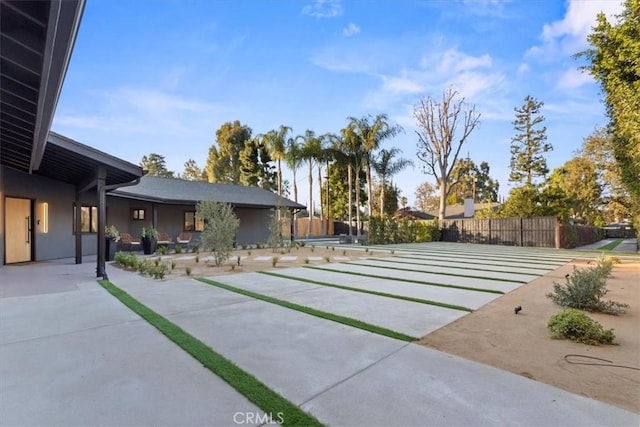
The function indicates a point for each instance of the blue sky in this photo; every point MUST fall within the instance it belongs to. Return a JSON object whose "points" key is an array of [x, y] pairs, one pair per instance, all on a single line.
{"points": [[162, 76]]}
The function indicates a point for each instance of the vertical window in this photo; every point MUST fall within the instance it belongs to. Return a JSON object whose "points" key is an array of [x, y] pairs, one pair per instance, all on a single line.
{"points": [[191, 223], [137, 214], [88, 219]]}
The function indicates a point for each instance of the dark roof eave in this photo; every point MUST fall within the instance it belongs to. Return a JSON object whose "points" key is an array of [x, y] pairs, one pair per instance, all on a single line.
{"points": [[64, 22], [162, 200], [91, 153]]}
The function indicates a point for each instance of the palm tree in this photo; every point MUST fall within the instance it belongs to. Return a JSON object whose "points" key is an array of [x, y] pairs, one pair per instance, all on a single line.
{"points": [[386, 167], [350, 146], [371, 131], [276, 141], [293, 159], [310, 150]]}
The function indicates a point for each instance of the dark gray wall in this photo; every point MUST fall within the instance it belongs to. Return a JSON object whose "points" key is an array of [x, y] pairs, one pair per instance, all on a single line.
{"points": [[254, 225], [59, 241]]}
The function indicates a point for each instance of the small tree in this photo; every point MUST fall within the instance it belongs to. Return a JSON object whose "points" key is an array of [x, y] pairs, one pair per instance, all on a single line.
{"points": [[220, 226]]}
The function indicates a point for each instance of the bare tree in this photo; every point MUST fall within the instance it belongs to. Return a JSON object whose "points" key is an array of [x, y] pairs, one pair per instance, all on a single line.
{"points": [[440, 140]]}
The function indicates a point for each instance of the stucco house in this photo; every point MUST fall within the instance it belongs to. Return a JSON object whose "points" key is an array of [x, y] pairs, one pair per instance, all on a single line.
{"points": [[56, 194], [169, 204]]}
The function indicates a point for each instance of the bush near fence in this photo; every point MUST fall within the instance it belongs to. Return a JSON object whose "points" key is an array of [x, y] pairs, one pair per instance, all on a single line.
{"points": [[387, 229], [538, 231]]}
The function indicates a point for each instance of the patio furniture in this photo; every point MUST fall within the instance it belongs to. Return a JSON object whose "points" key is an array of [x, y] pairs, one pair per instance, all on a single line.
{"points": [[184, 239], [164, 239], [128, 242]]}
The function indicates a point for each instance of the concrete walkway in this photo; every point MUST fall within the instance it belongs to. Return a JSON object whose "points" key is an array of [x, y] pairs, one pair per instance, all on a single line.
{"points": [[72, 355], [626, 246], [79, 357]]}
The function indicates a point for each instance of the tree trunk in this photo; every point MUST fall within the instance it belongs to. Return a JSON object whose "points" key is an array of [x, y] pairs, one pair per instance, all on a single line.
{"points": [[382, 198], [349, 178], [279, 179], [310, 198], [357, 202], [295, 199], [443, 198], [323, 230], [369, 190]]}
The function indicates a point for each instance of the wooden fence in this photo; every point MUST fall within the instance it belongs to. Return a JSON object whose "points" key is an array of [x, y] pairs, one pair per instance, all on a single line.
{"points": [[539, 231], [544, 232]]}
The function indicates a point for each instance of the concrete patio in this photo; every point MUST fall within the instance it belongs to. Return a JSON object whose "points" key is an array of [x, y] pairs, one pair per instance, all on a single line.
{"points": [[71, 354]]}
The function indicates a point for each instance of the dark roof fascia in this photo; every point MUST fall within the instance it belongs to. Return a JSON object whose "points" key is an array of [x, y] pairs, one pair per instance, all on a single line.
{"points": [[62, 29], [91, 153], [161, 200]]}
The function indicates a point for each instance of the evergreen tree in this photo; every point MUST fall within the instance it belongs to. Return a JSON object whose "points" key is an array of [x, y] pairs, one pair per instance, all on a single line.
{"points": [[192, 172], [223, 162], [529, 145], [155, 165]]}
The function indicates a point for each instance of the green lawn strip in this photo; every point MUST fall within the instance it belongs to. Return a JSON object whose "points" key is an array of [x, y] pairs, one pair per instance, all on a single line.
{"points": [[364, 291], [496, 257], [313, 312], [245, 383], [413, 270], [420, 282], [395, 260], [467, 261], [609, 246]]}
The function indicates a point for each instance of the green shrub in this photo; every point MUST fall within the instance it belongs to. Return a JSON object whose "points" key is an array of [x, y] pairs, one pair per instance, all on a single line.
{"points": [[162, 250], [327, 259], [274, 261], [178, 249], [585, 288], [188, 271], [428, 231], [575, 325], [306, 260], [126, 259], [173, 265]]}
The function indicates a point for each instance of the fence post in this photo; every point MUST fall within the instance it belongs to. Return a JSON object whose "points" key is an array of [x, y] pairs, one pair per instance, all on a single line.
{"points": [[557, 234], [521, 232], [490, 241]]}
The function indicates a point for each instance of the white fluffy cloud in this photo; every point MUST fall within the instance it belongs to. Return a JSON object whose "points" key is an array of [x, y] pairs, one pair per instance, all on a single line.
{"points": [[569, 35], [351, 29], [323, 9]]}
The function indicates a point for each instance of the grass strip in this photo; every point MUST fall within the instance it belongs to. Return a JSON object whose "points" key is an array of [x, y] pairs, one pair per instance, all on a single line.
{"points": [[609, 246], [245, 383], [438, 272], [466, 261], [313, 312], [364, 291], [397, 261], [420, 282]]}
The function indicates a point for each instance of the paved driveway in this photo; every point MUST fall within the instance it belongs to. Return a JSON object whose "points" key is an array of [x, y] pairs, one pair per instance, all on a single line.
{"points": [[82, 346]]}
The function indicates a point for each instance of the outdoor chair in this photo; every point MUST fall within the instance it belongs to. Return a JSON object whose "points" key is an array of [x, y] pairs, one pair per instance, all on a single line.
{"points": [[184, 239], [129, 243], [164, 240]]}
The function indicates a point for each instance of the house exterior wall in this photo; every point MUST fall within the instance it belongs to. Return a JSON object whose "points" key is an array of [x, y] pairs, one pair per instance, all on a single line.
{"points": [[254, 225], [169, 218], [58, 241]]}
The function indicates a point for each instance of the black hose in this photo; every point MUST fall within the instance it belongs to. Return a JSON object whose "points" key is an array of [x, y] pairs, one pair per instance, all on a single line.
{"points": [[609, 362]]}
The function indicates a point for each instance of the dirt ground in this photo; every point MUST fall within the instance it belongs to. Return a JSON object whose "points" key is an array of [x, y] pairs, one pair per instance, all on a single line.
{"points": [[252, 260], [494, 335]]}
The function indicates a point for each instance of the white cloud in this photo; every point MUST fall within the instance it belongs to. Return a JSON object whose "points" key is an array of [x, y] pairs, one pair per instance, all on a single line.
{"points": [[351, 29], [142, 111], [323, 9], [454, 61], [401, 85], [569, 35], [573, 78]]}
